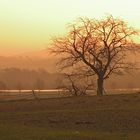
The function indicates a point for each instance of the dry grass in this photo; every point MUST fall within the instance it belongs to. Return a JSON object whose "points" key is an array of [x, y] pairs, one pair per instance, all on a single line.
{"points": [[113, 117]]}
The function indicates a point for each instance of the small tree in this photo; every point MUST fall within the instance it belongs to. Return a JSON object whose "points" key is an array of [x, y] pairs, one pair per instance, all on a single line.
{"points": [[102, 46], [77, 85], [19, 87], [39, 84]]}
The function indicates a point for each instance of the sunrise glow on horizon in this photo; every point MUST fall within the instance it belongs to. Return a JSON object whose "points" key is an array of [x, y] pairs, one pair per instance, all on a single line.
{"points": [[28, 25]]}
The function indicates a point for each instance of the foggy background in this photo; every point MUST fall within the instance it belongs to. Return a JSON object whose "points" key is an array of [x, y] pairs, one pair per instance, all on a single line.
{"points": [[38, 70]]}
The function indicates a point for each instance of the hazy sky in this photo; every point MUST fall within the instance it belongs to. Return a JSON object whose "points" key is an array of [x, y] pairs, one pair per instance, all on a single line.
{"points": [[27, 25]]}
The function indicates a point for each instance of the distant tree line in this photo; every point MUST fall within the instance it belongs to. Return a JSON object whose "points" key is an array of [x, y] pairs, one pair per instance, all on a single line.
{"points": [[14, 78]]}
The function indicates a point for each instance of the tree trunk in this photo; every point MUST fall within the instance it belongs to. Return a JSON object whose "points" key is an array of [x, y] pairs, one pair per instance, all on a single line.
{"points": [[100, 88]]}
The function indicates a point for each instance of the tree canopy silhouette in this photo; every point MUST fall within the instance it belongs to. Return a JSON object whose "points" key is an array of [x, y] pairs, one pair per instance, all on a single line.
{"points": [[101, 46]]}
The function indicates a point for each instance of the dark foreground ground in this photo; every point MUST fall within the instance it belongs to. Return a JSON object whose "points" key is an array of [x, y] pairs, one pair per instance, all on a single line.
{"points": [[113, 117]]}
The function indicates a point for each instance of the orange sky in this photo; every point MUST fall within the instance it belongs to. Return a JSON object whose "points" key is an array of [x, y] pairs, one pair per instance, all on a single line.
{"points": [[27, 25]]}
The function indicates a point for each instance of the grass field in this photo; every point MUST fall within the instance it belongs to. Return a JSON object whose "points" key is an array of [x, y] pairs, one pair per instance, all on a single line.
{"points": [[113, 117]]}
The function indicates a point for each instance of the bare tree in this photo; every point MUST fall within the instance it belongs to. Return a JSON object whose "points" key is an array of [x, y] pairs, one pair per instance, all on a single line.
{"points": [[100, 46], [19, 87], [39, 84], [77, 85]]}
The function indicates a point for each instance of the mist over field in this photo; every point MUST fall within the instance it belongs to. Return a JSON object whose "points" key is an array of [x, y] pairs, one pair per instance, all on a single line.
{"points": [[26, 69]]}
